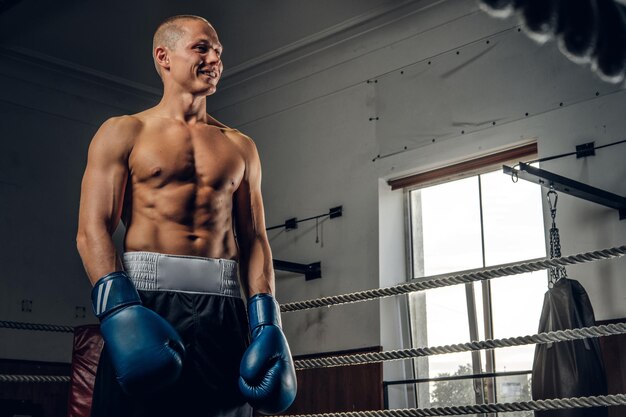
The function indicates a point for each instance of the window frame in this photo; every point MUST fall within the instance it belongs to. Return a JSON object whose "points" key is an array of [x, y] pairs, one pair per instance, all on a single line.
{"points": [[469, 168]]}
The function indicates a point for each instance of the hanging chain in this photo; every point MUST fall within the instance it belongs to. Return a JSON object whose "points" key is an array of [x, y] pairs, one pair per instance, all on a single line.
{"points": [[317, 231], [556, 272]]}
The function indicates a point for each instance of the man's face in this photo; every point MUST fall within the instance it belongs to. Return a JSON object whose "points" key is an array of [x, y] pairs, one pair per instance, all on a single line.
{"points": [[196, 61]]}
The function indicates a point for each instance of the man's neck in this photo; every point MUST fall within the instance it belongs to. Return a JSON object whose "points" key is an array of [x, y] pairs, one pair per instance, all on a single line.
{"points": [[185, 107]]}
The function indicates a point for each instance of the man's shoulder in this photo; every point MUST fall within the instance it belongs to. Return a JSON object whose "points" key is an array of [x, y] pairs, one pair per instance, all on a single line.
{"points": [[243, 142], [128, 122], [117, 134], [233, 134], [238, 137]]}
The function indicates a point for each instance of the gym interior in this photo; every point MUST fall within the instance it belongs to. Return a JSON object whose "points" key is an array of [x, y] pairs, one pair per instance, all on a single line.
{"points": [[402, 142]]}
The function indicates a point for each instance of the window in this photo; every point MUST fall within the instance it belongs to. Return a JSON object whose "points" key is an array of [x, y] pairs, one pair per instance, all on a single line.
{"points": [[475, 222]]}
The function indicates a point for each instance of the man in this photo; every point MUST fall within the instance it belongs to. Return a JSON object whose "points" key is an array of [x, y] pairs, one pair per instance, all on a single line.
{"points": [[188, 190]]}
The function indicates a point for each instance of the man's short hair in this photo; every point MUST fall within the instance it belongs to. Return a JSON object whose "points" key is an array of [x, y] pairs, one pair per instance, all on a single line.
{"points": [[169, 32]]}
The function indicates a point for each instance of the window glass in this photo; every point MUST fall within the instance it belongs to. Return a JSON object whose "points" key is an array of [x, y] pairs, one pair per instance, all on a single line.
{"points": [[513, 232], [450, 225], [516, 304], [512, 219], [466, 224]]}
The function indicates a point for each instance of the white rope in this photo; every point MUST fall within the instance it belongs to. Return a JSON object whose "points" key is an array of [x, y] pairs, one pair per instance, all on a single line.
{"points": [[547, 337], [539, 405], [456, 278]]}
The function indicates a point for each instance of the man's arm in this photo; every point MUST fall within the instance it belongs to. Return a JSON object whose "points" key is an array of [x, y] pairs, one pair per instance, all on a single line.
{"points": [[152, 359], [102, 195], [255, 258], [267, 376]]}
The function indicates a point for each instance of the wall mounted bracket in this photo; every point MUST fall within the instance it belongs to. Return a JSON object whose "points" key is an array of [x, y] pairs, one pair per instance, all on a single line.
{"points": [[292, 223], [569, 186], [585, 150], [310, 271]]}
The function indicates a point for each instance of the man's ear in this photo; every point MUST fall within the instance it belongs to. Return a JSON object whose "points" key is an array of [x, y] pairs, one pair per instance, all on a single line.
{"points": [[161, 55]]}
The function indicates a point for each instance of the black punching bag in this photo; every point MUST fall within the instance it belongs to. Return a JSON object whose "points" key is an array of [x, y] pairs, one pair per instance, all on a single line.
{"points": [[572, 368]]}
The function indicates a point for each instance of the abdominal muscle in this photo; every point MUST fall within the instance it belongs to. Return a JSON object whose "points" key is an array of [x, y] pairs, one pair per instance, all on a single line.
{"points": [[181, 219]]}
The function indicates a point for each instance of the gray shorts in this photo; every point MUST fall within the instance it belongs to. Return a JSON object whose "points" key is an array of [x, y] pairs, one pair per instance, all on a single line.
{"points": [[201, 298]]}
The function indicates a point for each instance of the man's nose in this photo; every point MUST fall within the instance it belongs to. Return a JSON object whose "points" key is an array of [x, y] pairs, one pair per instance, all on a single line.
{"points": [[213, 56]]}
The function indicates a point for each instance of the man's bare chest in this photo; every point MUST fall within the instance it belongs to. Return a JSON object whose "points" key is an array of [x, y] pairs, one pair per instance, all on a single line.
{"points": [[205, 157]]}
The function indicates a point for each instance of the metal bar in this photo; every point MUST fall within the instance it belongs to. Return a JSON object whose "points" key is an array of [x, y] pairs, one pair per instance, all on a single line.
{"points": [[280, 226], [489, 385], [310, 271], [333, 213], [456, 377], [490, 357], [569, 186], [385, 395], [479, 387], [479, 394]]}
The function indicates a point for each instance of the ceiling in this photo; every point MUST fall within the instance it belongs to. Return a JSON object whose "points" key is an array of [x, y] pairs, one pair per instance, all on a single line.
{"points": [[115, 36]]}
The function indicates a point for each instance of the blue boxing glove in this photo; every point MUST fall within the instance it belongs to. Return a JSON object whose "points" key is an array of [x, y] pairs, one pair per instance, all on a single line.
{"points": [[146, 351], [267, 375]]}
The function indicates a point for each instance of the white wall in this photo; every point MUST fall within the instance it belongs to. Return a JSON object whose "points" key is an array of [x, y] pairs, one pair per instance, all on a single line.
{"points": [[394, 311], [310, 115], [305, 174]]}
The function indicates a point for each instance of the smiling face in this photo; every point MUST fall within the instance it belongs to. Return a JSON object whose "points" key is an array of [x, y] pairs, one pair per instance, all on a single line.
{"points": [[188, 53]]}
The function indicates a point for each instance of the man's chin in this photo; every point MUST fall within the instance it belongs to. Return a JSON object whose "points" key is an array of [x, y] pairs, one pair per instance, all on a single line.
{"points": [[207, 90]]}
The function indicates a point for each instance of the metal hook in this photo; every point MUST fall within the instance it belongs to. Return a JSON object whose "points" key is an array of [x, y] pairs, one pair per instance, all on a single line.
{"points": [[556, 198], [514, 176]]}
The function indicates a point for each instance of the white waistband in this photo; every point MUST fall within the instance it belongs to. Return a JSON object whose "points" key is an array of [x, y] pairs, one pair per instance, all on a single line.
{"points": [[153, 271]]}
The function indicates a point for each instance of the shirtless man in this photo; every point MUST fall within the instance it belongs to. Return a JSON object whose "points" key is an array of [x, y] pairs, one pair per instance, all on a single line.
{"points": [[188, 190]]}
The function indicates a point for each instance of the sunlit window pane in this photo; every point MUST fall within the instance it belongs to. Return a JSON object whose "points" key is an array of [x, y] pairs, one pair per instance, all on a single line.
{"points": [[451, 227], [512, 219], [447, 324], [447, 393], [453, 393], [514, 388], [516, 304]]}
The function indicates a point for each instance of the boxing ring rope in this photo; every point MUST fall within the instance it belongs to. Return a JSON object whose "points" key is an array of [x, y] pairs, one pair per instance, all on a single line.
{"points": [[413, 286], [34, 326], [538, 405], [436, 281], [445, 280], [34, 378], [391, 355], [373, 357]]}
